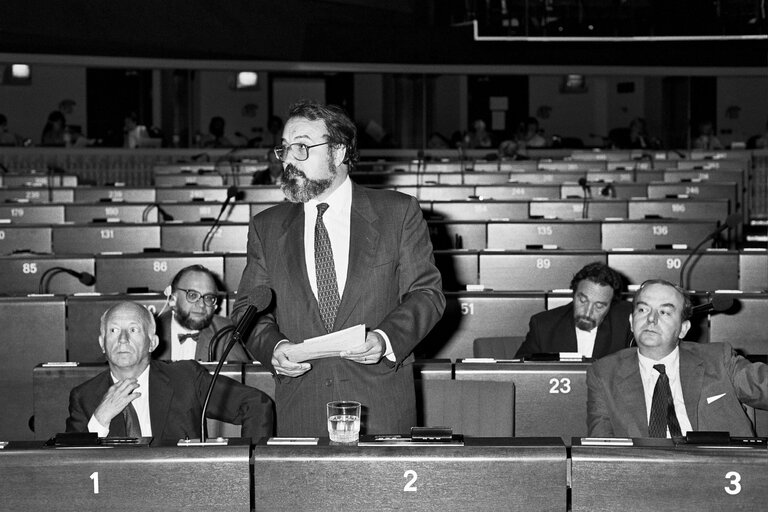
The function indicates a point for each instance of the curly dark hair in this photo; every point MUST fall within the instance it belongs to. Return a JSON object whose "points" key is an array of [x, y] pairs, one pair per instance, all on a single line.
{"points": [[601, 274], [341, 129]]}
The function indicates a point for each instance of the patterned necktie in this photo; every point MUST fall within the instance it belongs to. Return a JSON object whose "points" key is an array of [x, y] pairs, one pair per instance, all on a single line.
{"points": [[327, 287], [132, 425], [663, 407], [184, 336]]}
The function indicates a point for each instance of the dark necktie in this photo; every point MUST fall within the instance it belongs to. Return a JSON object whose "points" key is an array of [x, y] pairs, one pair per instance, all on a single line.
{"points": [[663, 407], [132, 425], [194, 336], [327, 287]]}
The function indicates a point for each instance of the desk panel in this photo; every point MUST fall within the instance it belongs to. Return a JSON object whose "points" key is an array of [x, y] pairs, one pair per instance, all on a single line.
{"points": [[234, 264], [458, 268], [98, 238], [32, 331], [655, 234], [458, 234], [480, 210], [228, 237], [495, 475], [753, 270], [680, 478], [521, 235], [25, 238], [187, 179], [704, 190], [574, 209], [714, 209], [620, 190], [190, 194], [113, 212], [39, 180], [518, 191], [439, 192], [743, 326], [32, 213], [550, 398], [710, 270], [478, 315], [261, 194], [543, 177], [21, 274], [37, 195], [533, 270], [474, 177], [161, 479], [150, 271], [114, 194]]}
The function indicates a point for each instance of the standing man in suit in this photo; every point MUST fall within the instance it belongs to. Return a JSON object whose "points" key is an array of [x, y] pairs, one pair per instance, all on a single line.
{"points": [[137, 397], [337, 255], [186, 330], [667, 387], [594, 324]]}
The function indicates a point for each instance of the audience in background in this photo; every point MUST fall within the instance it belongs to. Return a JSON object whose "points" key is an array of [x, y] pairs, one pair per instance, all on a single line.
{"points": [[706, 138], [531, 136], [7, 137], [509, 150], [55, 130], [479, 137], [215, 137]]}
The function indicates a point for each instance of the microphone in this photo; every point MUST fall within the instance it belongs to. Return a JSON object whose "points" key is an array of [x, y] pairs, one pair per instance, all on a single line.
{"points": [[608, 191], [164, 215], [232, 193], [732, 221], [256, 302], [587, 194], [84, 277], [717, 303]]}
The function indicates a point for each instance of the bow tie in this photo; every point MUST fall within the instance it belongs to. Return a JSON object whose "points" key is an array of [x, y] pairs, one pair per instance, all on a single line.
{"points": [[194, 336]]}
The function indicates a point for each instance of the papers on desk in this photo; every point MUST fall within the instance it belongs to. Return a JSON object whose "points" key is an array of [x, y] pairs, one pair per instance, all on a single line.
{"points": [[328, 345]]}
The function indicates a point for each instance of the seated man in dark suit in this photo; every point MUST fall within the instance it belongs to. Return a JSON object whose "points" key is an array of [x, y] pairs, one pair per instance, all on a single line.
{"points": [[595, 324], [666, 387], [186, 330], [138, 397]]}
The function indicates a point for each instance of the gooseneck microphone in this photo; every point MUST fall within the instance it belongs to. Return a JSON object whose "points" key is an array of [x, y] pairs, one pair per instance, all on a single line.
{"points": [[164, 215], [587, 190], [232, 193], [732, 221], [256, 303], [84, 277], [716, 303]]}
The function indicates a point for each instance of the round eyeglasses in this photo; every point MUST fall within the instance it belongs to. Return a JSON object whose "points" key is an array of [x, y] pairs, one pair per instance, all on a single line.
{"points": [[297, 150], [193, 296]]}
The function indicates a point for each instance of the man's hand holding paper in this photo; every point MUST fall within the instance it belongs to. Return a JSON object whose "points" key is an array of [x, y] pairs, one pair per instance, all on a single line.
{"points": [[350, 342]]}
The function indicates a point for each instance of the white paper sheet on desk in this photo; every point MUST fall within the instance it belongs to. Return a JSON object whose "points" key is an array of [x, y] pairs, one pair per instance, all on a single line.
{"points": [[328, 345]]}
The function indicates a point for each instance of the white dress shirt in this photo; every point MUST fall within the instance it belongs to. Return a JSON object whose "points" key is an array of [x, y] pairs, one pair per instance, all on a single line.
{"points": [[649, 375], [141, 404], [337, 220], [181, 351], [585, 341]]}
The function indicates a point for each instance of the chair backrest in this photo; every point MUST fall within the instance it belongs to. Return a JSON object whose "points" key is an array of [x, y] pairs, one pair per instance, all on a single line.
{"points": [[501, 347]]}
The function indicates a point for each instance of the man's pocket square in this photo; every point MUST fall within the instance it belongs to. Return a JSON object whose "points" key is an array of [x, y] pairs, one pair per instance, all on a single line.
{"points": [[711, 399]]}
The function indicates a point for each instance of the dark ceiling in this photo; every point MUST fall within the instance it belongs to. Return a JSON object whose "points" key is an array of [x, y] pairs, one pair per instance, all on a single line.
{"points": [[408, 32]]}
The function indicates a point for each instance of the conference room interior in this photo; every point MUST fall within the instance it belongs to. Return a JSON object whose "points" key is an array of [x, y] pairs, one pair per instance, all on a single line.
{"points": [[86, 225]]}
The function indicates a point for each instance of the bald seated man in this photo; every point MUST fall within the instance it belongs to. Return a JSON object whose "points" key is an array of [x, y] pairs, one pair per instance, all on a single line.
{"points": [[138, 396]]}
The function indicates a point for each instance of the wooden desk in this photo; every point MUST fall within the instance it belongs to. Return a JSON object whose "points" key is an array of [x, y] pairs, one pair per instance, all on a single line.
{"points": [[485, 474], [680, 478], [125, 478]]}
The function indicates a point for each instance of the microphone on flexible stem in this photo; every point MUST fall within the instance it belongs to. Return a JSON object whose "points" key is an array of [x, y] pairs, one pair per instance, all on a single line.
{"points": [[256, 303], [164, 215], [717, 303], [232, 193], [84, 277], [587, 190], [732, 221]]}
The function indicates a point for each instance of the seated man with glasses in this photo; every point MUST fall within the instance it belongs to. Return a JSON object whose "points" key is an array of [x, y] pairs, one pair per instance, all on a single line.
{"points": [[188, 327]]}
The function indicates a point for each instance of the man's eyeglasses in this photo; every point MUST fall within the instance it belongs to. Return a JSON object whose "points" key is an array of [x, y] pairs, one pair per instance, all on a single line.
{"points": [[193, 296], [297, 150]]}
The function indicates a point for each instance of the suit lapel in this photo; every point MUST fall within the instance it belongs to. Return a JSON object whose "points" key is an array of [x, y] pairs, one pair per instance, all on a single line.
{"points": [[691, 378], [160, 396], [568, 327], [630, 390], [603, 337], [363, 241]]}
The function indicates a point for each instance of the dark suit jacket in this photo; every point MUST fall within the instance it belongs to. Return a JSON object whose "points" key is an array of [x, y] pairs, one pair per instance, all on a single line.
{"points": [[392, 284], [163, 350], [176, 395], [709, 372], [555, 331]]}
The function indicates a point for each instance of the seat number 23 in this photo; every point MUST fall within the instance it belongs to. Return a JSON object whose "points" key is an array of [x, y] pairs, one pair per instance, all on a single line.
{"points": [[560, 386]]}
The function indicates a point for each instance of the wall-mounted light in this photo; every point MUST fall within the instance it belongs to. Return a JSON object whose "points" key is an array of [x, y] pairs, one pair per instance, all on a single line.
{"points": [[245, 81], [17, 74]]}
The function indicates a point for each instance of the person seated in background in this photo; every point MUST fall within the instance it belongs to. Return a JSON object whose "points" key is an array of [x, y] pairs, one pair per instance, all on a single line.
{"points": [[55, 130], [137, 397], [438, 141], [215, 137], [666, 387], [759, 141], [186, 329], [531, 135], [509, 150], [594, 324], [479, 137], [706, 138], [634, 137], [8, 138], [270, 175]]}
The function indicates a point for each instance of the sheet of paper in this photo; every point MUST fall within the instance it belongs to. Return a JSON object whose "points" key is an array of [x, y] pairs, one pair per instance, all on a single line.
{"points": [[328, 345]]}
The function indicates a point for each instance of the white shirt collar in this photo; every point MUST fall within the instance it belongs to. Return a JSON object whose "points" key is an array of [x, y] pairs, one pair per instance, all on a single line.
{"points": [[338, 200]]}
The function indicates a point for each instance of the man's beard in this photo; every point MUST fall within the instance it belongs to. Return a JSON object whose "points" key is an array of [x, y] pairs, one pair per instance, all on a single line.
{"points": [[194, 324], [300, 189], [585, 323]]}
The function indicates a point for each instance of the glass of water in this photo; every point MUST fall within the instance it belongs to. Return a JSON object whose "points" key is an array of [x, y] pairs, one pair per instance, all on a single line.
{"points": [[344, 421]]}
